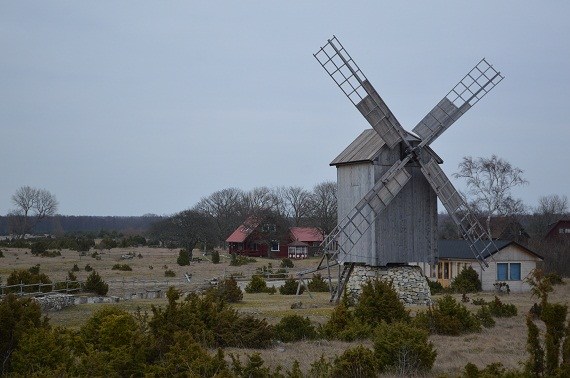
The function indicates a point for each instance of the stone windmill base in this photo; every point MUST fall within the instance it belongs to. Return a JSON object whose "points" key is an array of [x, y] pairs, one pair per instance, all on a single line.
{"points": [[408, 281]]}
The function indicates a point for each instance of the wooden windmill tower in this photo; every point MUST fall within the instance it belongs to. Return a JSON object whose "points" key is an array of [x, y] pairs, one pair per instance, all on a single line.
{"points": [[389, 179]]}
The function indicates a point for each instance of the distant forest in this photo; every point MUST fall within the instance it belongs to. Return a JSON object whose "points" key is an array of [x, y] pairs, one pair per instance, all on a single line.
{"points": [[62, 224]]}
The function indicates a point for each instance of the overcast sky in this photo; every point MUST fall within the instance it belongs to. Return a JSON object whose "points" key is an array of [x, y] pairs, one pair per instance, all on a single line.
{"points": [[127, 108]]}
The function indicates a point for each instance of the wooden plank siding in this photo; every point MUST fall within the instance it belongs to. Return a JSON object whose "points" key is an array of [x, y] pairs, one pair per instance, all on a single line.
{"points": [[406, 230], [353, 182]]}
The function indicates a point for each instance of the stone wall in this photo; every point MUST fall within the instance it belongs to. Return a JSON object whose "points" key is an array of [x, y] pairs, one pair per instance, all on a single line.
{"points": [[408, 281], [55, 302]]}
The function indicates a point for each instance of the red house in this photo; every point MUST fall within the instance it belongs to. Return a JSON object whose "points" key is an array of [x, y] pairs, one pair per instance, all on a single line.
{"points": [[559, 230], [255, 238]]}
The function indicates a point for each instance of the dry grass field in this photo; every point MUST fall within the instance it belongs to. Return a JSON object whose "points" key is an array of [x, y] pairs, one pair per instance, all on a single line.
{"points": [[504, 343]]}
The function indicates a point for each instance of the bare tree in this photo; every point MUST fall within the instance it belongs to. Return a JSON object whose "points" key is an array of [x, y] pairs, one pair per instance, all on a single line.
{"points": [[324, 206], [297, 203], [489, 182], [550, 209], [226, 208], [185, 229], [32, 205], [553, 205]]}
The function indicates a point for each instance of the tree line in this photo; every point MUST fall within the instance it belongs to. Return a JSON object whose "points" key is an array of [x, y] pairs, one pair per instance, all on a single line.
{"points": [[216, 216]]}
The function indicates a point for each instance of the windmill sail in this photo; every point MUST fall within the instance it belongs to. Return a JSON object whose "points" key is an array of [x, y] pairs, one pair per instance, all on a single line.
{"points": [[479, 81], [336, 61], [481, 243]]}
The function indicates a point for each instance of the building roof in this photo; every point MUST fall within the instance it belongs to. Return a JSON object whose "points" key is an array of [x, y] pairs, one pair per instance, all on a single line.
{"points": [[554, 225], [459, 249], [243, 231], [297, 243], [367, 146], [306, 234]]}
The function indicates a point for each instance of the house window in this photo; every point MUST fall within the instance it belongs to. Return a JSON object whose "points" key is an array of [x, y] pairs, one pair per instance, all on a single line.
{"points": [[268, 227], [443, 270], [274, 246], [508, 271]]}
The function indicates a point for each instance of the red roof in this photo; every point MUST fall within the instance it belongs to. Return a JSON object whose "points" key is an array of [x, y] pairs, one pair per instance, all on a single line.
{"points": [[307, 234], [243, 231]]}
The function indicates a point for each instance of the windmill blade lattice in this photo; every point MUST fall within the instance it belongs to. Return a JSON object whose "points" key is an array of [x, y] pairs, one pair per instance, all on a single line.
{"points": [[473, 87], [480, 242], [340, 66]]}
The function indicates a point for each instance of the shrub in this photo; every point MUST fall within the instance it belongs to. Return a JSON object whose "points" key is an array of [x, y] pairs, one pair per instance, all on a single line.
{"points": [[400, 347], [51, 254], [113, 345], [88, 268], [31, 276], [169, 273], [183, 258], [343, 325], [70, 284], [238, 260], [554, 317], [294, 328], [258, 285], [317, 284], [75, 268], [187, 358], [290, 287], [379, 302], [216, 257], [227, 290], [123, 267], [95, 284], [501, 310], [495, 369], [286, 263], [42, 352], [467, 281], [38, 248], [1, 253], [17, 317], [479, 302], [253, 368], [448, 317], [210, 321], [320, 368], [435, 287], [485, 317], [354, 362], [35, 270]]}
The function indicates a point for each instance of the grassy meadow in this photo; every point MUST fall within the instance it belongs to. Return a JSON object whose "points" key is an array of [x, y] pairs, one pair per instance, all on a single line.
{"points": [[505, 343]]}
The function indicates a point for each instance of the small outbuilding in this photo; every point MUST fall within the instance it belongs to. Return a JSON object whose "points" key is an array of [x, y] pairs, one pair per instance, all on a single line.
{"points": [[511, 264]]}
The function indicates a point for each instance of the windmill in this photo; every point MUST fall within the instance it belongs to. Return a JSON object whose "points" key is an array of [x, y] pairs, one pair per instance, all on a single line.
{"points": [[396, 161]]}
